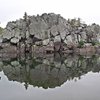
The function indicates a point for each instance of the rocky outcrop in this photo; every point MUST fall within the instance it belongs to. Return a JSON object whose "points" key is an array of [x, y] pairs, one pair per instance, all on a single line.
{"points": [[48, 30]]}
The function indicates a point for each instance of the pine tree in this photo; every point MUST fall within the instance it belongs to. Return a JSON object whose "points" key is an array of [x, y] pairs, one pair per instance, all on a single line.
{"points": [[25, 29]]}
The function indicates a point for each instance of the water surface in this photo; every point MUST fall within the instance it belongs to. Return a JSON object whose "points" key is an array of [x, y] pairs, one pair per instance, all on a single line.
{"points": [[50, 77]]}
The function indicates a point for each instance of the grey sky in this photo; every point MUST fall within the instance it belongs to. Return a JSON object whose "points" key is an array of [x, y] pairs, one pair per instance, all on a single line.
{"points": [[87, 10]]}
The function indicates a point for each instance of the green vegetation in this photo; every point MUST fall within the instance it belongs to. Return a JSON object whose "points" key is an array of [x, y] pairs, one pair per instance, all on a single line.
{"points": [[34, 63], [74, 22], [1, 29], [81, 44], [94, 43]]}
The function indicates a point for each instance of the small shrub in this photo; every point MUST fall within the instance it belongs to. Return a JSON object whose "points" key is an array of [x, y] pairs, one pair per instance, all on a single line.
{"points": [[94, 43], [81, 44], [1, 29]]}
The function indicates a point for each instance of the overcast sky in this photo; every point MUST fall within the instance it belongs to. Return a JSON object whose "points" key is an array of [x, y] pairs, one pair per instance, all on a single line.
{"points": [[87, 10]]}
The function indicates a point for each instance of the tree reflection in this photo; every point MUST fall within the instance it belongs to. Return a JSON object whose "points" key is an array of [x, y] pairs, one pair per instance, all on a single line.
{"points": [[48, 71]]}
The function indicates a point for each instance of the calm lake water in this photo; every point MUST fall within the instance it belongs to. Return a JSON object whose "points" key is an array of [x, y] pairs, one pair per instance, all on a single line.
{"points": [[50, 77]]}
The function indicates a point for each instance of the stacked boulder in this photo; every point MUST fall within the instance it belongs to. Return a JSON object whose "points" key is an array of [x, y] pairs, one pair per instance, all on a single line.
{"points": [[49, 30]]}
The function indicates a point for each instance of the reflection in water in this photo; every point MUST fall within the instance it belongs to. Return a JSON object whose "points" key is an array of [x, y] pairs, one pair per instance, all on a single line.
{"points": [[48, 71]]}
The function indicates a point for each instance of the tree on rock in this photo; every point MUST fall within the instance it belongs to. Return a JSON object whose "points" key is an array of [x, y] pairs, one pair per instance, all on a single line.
{"points": [[1, 29], [26, 29]]}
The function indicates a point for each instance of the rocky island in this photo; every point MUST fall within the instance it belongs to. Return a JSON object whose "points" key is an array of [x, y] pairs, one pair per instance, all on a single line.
{"points": [[47, 50], [49, 33]]}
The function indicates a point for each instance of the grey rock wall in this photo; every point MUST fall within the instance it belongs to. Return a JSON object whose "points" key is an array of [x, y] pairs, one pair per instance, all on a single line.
{"points": [[50, 27]]}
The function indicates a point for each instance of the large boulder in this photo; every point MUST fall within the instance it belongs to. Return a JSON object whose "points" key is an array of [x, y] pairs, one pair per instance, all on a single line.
{"points": [[57, 38], [14, 40], [69, 39], [54, 30], [7, 35], [63, 35], [46, 42], [1, 39]]}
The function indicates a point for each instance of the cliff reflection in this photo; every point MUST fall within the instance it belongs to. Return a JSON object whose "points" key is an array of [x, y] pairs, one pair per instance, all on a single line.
{"points": [[48, 71]]}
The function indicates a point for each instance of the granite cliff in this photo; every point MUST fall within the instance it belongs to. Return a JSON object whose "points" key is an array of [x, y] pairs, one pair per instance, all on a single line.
{"points": [[51, 32]]}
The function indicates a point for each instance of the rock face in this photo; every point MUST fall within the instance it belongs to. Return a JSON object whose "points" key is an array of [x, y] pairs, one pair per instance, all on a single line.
{"points": [[47, 28]]}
